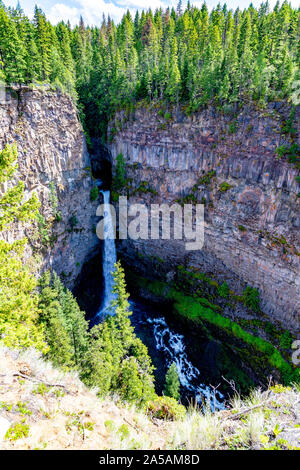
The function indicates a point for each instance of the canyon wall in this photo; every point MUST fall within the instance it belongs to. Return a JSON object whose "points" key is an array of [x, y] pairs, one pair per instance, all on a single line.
{"points": [[228, 163], [54, 163]]}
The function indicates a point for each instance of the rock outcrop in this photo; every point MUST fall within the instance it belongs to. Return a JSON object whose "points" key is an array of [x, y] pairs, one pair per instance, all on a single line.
{"points": [[53, 162], [228, 163]]}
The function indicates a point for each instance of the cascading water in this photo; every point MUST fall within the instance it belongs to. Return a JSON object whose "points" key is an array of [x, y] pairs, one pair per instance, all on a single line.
{"points": [[109, 255], [173, 347]]}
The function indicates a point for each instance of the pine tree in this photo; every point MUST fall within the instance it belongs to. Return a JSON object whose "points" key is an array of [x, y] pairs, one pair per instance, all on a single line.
{"points": [[19, 327], [12, 49], [172, 385], [43, 40], [65, 325], [51, 317], [117, 361], [194, 56]]}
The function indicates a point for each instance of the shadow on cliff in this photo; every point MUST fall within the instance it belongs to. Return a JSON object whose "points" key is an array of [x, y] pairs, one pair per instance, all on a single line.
{"points": [[101, 163]]}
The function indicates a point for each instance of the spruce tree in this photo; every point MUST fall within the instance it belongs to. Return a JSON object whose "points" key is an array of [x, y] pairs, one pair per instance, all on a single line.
{"points": [[172, 385], [12, 49], [117, 361], [19, 326], [64, 322], [195, 57]]}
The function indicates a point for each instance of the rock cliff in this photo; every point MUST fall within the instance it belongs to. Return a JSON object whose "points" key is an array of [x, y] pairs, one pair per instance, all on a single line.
{"points": [[227, 162], [54, 162]]}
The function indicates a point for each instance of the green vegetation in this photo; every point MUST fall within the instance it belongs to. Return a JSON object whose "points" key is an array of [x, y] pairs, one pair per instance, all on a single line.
{"points": [[192, 56], [119, 180], [285, 340], [94, 193], [17, 431], [166, 408], [223, 187], [53, 199], [73, 221], [251, 298], [191, 308], [288, 127], [172, 385], [44, 230], [223, 290], [19, 327], [110, 357], [207, 178], [64, 323], [232, 129], [117, 361], [291, 152], [143, 187]]}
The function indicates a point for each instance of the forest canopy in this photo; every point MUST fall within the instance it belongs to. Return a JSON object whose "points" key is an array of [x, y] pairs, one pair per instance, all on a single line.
{"points": [[193, 56]]}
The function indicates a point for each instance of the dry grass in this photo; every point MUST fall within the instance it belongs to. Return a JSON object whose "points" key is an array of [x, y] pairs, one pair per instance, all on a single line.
{"points": [[73, 417]]}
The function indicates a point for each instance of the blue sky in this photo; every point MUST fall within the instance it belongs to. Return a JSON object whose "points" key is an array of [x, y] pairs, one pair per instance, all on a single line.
{"points": [[92, 10]]}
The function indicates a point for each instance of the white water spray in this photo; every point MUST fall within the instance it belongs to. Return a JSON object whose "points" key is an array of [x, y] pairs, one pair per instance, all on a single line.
{"points": [[172, 344]]}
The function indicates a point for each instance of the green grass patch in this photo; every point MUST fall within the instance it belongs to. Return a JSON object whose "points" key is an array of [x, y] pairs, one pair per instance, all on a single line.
{"points": [[195, 310]]}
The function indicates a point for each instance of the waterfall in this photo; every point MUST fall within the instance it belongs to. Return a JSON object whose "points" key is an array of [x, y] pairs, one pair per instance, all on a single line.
{"points": [[169, 343], [109, 255]]}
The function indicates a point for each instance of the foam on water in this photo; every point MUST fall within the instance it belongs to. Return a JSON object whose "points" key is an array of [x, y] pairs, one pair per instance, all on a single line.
{"points": [[173, 347]]}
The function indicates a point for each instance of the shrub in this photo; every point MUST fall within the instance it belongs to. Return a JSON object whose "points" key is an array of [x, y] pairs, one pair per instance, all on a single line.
{"points": [[73, 221], [223, 290], [17, 431], [43, 229], [225, 187], [251, 298], [285, 340], [206, 179], [94, 193], [53, 199], [119, 179], [166, 408], [232, 127]]}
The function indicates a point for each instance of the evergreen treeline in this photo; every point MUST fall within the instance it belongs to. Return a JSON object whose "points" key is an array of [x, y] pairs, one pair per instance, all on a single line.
{"points": [[192, 56]]}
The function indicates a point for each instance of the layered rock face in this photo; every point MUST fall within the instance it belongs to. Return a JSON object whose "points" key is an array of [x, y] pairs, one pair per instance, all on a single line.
{"points": [[252, 216], [54, 163]]}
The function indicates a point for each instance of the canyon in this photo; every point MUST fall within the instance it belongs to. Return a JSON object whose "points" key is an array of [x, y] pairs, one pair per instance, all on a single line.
{"points": [[228, 162]]}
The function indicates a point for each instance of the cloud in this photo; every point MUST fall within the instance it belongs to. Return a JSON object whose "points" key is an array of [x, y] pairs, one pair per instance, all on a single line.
{"points": [[91, 10], [63, 12]]}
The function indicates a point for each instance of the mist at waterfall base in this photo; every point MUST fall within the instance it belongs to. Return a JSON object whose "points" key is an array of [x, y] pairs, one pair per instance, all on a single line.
{"points": [[165, 345]]}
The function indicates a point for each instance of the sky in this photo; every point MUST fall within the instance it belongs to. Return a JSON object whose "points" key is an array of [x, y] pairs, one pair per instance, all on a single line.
{"points": [[92, 10]]}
